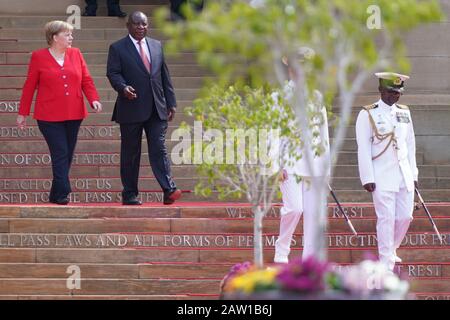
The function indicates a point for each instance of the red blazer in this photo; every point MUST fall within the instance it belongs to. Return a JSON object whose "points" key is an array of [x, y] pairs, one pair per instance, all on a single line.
{"points": [[59, 89]]}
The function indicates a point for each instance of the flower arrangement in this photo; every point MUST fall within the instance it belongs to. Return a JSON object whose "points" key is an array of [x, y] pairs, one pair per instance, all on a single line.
{"points": [[371, 279], [313, 279]]}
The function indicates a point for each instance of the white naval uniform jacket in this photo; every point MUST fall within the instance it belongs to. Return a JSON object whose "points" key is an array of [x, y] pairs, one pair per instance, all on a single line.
{"points": [[396, 167], [319, 124]]}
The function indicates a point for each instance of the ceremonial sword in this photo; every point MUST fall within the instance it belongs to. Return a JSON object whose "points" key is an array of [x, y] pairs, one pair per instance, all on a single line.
{"points": [[429, 215], [342, 211]]}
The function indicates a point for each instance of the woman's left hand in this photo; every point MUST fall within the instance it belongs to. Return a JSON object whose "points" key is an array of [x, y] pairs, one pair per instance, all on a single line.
{"points": [[97, 106]]}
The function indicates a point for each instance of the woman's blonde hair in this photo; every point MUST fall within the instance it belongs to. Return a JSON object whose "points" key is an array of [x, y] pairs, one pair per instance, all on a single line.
{"points": [[52, 28]]}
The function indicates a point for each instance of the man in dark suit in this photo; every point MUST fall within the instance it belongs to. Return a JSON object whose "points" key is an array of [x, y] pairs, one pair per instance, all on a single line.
{"points": [[146, 102]]}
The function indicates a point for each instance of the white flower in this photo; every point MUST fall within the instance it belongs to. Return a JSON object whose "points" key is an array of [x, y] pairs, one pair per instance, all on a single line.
{"points": [[391, 283], [369, 276]]}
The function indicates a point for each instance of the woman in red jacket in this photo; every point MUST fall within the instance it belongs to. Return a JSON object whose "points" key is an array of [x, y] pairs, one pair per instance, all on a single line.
{"points": [[61, 76]]}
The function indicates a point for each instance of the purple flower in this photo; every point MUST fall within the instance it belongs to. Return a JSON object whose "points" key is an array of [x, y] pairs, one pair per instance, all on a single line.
{"points": [[304, 276]]}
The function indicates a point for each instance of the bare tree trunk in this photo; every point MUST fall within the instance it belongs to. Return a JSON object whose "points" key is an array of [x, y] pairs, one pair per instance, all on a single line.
{"points": [[321, 247], [257, 237]]}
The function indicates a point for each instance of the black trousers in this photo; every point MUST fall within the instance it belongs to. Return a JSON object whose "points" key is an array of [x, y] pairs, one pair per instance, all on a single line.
{"points": [[176, 7], [113, 6], [61, 138], [130, 154]]}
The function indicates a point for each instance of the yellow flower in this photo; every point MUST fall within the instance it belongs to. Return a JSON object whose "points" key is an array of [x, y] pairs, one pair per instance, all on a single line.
{"points": [[247, 282]]}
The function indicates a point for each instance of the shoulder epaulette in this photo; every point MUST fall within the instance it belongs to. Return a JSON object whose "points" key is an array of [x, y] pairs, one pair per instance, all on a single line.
{"points": [[370, 106], [402, 106]]}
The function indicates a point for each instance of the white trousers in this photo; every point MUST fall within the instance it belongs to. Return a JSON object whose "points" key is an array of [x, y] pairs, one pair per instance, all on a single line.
{"points": [[394, 214], [298, 198]]}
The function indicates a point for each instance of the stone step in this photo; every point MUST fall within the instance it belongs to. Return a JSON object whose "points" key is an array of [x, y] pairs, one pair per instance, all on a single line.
{"points": [[425, 100], [431, 132], [109, 287], [427, 121], [427, 72], [221, 210], [135, 289], [340, 183], [142, 240], [189, 296], [432, 35], [362, 196], [430, 125], [90, 132], [105, 164], [431, 103], [16, 79], [15, 145], [174, 270], [117, 271], [12, 106], [427, 137], [436, 285], [46, 7], [16, 179], [92, 58], [155, 196], [99, 70], [184, 182], [57, 270], [194, 225], [105, 144], [13, 170], [418, 112], [102, 119], [112, 158], [433, 296], [86, 132], [105, 94], [149, 9], [39, 21], [93, 184], [438, 40], [84, 45], [433, 79], [22, 34], [411, 270], [203, 255], [101, 82]]}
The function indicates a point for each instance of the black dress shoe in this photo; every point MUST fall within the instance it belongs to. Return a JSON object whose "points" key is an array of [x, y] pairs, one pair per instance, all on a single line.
{"points": [[89, 14], [120, 14], [61, 201], [131, 202], [171, 197]]}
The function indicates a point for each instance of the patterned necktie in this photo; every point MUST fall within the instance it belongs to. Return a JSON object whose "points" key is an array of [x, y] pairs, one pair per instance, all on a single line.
{"points": [[143, 56]]}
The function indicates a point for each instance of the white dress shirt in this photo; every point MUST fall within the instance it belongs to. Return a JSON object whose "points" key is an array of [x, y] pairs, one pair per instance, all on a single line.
{"points": [[145, 46]]}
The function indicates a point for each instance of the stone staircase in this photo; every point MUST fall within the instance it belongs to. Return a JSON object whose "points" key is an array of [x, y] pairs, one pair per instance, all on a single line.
{"points": [[183, 251]]}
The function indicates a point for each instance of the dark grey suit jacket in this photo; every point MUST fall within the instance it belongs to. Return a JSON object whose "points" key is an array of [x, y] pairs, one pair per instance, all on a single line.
{"points": [[125, 67]]}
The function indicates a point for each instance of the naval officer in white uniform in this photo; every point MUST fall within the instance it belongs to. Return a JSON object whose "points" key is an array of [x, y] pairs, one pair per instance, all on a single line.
{"points": [[299, 181], [387, 163]]}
